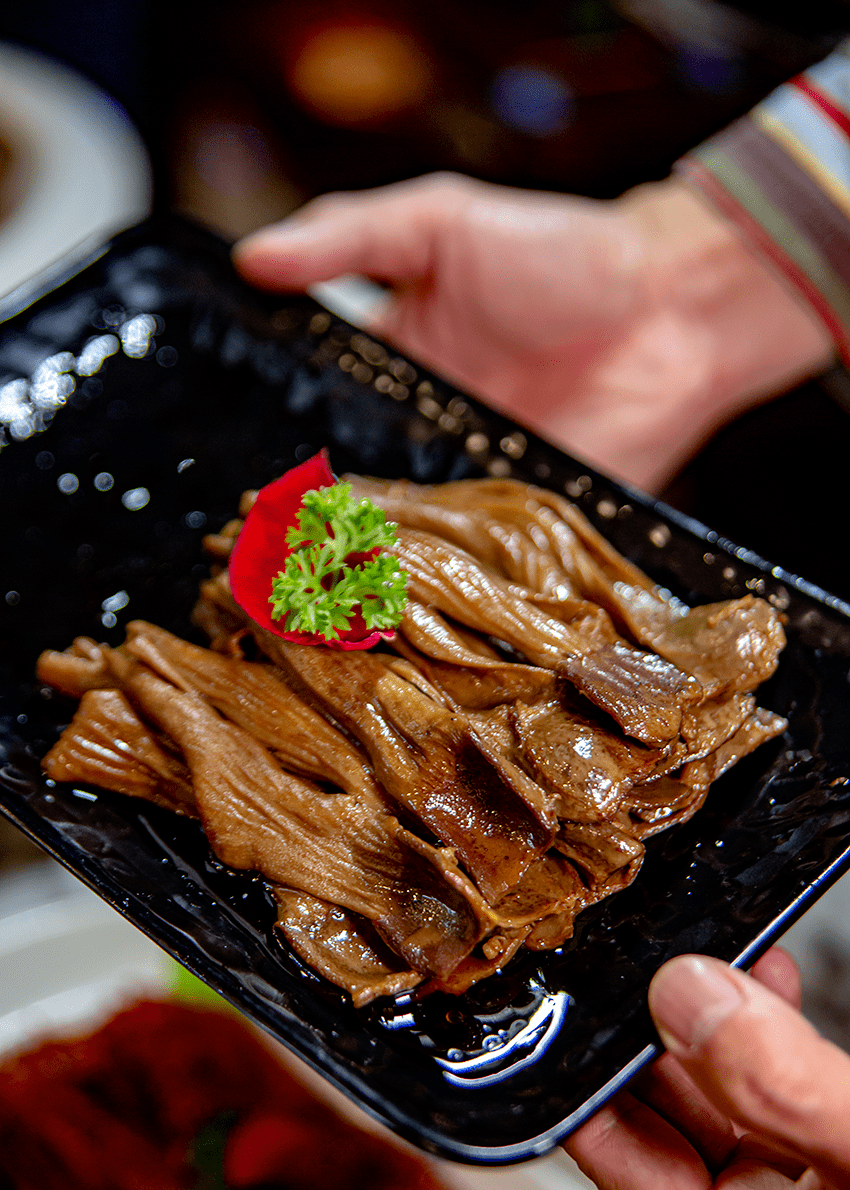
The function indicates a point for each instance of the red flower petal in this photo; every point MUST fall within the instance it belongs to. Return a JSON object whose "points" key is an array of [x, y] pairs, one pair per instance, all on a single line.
{"points": [[261, 550]]}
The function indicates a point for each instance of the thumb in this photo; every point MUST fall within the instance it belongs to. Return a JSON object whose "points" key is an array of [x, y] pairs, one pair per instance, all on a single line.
{"points": [[389, 234], [757, 1059]]}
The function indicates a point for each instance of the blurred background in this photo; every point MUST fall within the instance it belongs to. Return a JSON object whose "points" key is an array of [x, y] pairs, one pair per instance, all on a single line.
{"points": [[239, 113], [235, 114], [249, 109]]}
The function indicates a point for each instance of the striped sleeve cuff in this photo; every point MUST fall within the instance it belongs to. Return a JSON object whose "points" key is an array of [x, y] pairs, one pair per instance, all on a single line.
{"points": [[782, 174]]}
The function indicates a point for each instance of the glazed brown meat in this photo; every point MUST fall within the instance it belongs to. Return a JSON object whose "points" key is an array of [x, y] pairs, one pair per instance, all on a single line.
{"points": [[258, 698], [428, 761], [331, 845], [341, 946], [422, 812], [107, 744], [732, 645]]}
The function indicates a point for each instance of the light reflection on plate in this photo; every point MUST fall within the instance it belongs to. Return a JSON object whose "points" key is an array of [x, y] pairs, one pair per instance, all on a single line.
{"points": [[515, 1053]]}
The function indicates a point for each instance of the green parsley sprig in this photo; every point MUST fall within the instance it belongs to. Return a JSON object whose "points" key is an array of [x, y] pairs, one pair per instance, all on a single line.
{"points": [[337, 567]]}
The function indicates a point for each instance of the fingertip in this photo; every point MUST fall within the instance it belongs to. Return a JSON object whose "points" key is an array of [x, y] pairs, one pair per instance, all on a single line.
{"points": [[754, 1056], [260, 235], [258, 269], [288, 255], [269, 257], [778, 971], [689, 997]]}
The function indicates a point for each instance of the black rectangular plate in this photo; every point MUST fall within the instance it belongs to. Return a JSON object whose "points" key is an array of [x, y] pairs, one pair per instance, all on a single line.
{"points": [[109, 482]]}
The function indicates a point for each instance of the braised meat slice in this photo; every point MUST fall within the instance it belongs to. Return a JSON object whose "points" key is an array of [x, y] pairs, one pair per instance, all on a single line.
{"points": [[590, 767], [450, 580], [341, 946], [706, 727], [79, 668], [107, 744], [332, 846], [732, 646], [642, 692], [605, 853], [427, 760], [676, 798], [470, 680], [258, 698]]}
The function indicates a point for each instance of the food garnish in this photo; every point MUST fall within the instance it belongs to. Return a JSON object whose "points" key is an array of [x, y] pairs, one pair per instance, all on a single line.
{"points": [[311, 566]]}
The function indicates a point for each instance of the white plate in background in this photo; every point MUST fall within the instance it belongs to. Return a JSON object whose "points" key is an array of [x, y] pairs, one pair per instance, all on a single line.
{"points": [[82, 169]]}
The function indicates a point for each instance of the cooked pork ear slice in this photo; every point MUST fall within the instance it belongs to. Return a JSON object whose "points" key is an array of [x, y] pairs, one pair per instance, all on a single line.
{"points": [[341, 946], [467, 680], [551, 885], [107, 744], [330, 845], [589, 767], [257, 697], [447, 578], [434, 636], [427, 760], [728, 647], [79, 668], [706, 727], [643, 693], [553, 931], [580, 790], [405, 669], [220, 544], [605, 853], [757, 729], [669, 800], [662, 803], [490, 957], [216, 612], [608, 858]]}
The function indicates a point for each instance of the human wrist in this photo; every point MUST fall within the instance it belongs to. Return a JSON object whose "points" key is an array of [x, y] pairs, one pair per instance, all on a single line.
{"points": [[753, 335], [679, 232]]}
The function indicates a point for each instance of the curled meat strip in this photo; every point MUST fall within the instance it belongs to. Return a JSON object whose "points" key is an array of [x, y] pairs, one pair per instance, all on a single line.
{"points": [[428, 761], [258, 698]]}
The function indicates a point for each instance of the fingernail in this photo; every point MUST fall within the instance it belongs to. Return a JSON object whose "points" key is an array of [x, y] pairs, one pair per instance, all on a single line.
{"points": [[689, 998], [287, 230]]}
